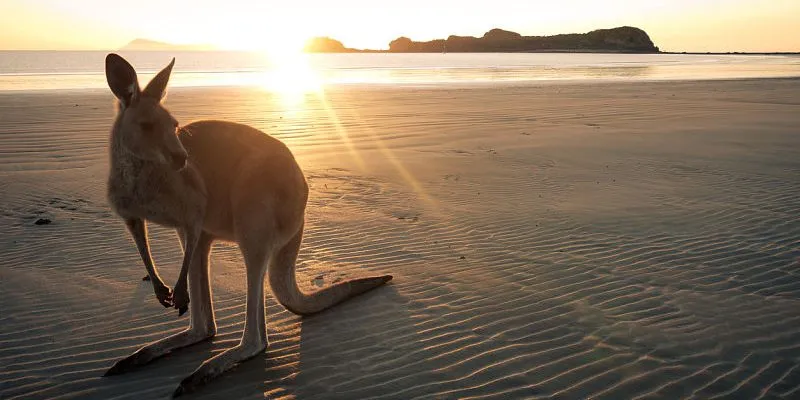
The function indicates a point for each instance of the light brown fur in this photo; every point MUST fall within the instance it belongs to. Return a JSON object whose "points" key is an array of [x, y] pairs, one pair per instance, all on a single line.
{"points": [[210, 180]]}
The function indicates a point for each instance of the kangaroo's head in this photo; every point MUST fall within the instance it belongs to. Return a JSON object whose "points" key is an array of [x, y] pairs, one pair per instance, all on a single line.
{"points": [[145, 128]]}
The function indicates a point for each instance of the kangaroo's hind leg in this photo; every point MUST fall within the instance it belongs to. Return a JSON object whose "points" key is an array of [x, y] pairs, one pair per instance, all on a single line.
{"points": [[202, 327], [256, 246], [190, 236]]}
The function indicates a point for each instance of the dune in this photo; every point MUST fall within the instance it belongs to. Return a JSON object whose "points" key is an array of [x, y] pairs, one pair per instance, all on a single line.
{"points": [[603, 240]]}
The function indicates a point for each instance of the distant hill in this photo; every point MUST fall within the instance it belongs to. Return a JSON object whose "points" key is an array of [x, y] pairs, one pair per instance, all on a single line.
{"points": [[152, 45], [324, 44], [625, 39]]}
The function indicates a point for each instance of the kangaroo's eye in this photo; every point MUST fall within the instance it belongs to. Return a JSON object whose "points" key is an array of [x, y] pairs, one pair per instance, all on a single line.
{"points": [[147, 127]]}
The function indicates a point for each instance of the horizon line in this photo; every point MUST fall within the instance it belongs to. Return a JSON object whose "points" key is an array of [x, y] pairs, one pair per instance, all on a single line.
{"points": [[387, 51]]}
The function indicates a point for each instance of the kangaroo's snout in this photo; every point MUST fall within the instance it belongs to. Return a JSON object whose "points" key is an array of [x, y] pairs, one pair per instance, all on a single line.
{"points": [[178, 160]]}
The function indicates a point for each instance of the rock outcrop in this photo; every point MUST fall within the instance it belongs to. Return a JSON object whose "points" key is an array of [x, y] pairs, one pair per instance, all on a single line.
{"points": [[623, 39]]}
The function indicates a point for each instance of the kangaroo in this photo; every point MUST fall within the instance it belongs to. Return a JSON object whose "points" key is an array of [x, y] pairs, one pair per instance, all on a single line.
{"points": [[210, 180]]}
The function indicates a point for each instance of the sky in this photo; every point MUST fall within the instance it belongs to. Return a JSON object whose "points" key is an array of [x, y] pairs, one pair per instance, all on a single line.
{"points": [[271, 25]]}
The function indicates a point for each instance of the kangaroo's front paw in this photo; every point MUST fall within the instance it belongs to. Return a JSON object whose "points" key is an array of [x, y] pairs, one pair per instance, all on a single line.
{"points": [[180, 299], [163, 294]]}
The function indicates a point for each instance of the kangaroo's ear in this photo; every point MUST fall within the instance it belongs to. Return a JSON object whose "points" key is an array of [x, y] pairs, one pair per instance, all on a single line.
{"points": [[121, 79], [157, 87]]}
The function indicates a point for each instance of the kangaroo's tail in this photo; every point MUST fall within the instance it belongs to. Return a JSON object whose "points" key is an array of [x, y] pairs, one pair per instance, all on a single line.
{"points": [[282, 279]]}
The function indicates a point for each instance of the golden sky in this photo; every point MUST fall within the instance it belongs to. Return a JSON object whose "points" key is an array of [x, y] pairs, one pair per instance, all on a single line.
{"points": [[674, 25]]}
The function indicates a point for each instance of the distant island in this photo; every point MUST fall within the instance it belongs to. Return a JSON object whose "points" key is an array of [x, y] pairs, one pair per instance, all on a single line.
{"points": [[152, 45], [625, 39]]}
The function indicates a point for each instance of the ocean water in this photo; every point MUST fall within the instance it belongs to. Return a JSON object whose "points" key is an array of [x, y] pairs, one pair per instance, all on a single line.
{"points": [[62, 70]]}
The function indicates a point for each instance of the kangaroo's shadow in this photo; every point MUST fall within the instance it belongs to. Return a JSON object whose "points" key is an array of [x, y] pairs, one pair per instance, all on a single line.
{"points": [[306, 354]]}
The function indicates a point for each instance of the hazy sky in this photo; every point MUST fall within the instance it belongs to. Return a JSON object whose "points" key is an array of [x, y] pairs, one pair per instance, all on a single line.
{"points": [[674, 25]]}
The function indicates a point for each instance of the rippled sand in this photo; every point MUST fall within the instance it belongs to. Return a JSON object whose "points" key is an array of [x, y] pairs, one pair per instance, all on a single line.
{"points": [[566, 241]]}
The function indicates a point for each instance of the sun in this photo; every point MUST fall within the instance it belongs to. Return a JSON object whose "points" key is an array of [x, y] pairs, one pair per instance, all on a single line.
{"points": [[291, 73]]}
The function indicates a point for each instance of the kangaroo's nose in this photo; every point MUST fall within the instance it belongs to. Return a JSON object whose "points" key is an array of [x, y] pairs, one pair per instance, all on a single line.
{"points": [[178, 160]]}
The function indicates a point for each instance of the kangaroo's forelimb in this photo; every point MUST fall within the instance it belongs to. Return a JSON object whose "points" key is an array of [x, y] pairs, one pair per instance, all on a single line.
{"points": [[202, 323], [138, 229]]}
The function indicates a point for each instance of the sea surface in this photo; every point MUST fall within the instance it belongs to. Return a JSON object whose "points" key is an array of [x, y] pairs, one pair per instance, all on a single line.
{"points": [[63, 70]]}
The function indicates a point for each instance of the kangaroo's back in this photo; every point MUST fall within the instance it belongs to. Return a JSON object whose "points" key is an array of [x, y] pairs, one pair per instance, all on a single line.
{"points": [[218, 139], [236, 162]]}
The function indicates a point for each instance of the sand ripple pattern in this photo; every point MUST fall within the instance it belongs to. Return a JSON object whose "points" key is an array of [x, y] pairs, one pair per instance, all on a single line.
{"points": [[567, 242]]}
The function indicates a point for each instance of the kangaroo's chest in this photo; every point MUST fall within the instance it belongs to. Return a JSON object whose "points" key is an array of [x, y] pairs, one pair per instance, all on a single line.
{"points": [[150, 195]]}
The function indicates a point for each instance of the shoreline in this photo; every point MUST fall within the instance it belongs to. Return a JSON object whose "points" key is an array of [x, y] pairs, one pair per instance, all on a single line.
{"points": [[429, 86], [461, 70]]}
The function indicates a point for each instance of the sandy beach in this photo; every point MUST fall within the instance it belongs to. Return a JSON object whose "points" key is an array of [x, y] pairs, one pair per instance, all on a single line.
{"points": [[569, 241]]}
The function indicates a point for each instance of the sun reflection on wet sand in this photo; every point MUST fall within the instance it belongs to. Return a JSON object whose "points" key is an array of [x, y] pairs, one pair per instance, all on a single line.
{"points": [[341, 130], [388, 154], [294, 81]]}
